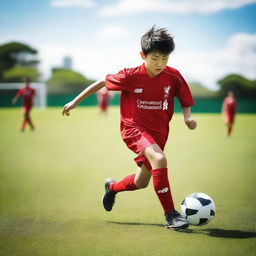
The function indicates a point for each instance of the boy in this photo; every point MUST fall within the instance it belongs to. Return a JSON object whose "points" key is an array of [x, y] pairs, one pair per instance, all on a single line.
{"points": [[103, 100], [27, 93], [229, 111], [146, 105]]}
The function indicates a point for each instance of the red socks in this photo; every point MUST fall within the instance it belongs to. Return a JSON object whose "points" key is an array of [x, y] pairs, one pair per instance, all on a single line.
{"points": [[161, 186], [127, 184], [162, 189]]}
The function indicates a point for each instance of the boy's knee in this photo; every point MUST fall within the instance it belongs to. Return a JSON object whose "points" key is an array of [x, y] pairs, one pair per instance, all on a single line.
{"points": [[160, 160]]}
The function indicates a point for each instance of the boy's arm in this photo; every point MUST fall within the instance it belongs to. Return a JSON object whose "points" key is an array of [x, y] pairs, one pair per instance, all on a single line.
{"points": [[16, 97], [14, 100], [223, 107], [191, 123], [91, 89]]}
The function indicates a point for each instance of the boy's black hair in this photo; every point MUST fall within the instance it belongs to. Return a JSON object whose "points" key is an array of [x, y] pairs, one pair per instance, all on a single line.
{"points": [[157, 40]]}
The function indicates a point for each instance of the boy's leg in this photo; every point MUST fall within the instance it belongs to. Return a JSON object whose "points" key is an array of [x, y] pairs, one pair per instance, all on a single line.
{"points": [[24, 122], [229, 129], [129, 183], [158, 162], [29, 120], [126, 184], [133, 181], [32, 127], [142, 177], [160, 176], [229, 122]]}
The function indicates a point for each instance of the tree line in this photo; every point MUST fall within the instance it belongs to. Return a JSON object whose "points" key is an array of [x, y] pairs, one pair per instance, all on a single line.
{"points": [[18, 60]]}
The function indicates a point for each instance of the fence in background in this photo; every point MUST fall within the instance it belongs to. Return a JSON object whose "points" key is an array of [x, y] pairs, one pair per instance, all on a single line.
{"points": [[202, 105]]}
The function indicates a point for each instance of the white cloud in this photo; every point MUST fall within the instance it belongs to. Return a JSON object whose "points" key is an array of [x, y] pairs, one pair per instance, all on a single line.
{"points": [[72, 3], [51, 56], [113, 32], [92, 61], [129, 7], [207, 67]]}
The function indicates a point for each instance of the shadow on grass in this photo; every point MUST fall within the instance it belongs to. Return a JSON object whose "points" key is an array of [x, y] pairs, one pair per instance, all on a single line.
{"points": [[135, 224], [214, 232], [226, 233]]}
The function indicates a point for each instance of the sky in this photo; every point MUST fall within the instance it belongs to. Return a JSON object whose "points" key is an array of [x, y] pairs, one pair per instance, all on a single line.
{"points": [[213, 38]]}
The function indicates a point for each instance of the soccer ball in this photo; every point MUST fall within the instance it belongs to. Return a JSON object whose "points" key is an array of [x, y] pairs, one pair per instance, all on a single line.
{"points": [[198, 209]]}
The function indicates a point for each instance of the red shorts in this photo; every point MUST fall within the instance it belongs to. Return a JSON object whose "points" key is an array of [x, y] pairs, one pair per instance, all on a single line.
{"points": [[137, 140], [229, 118], [26, 109], [103, 105]]}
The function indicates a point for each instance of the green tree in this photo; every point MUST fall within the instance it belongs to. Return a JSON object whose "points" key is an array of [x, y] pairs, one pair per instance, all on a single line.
{"points": [[241, 86], [200, 91], [15, 54], [17, 73], [67, 81]]}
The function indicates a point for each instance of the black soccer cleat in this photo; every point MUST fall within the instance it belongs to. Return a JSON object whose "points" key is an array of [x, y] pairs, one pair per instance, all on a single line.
{"points": [[175, 221], [108, 199]]}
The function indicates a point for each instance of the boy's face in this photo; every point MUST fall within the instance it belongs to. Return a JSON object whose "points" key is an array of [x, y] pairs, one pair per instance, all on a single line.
{"points": [[230, 94], [155, 62]]}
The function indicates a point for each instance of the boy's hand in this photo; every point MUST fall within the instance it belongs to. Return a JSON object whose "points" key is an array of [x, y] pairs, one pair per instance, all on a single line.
{"points": [[68, 107], [191, 124]]}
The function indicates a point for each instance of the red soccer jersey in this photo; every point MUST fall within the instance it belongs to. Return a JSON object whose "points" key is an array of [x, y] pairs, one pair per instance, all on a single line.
{"points": [[230, 105], [103, 98], [27, 94], [147, 102]]}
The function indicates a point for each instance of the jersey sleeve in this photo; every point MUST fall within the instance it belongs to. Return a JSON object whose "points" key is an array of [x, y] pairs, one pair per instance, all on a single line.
{"points": [[118, 82], [182, 92], [19, 92]]}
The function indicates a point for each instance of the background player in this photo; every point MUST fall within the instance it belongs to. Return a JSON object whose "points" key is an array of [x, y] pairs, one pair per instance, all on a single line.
{"points": [[27, 93], [229, 111], [146, 103], [103, 100]]}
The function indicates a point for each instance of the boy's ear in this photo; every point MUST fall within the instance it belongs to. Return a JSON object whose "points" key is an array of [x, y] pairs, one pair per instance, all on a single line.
{"points": [[142, 55]]}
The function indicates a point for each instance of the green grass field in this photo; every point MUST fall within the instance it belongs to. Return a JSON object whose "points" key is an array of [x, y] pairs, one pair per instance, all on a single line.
{"points": [[51, 184]]}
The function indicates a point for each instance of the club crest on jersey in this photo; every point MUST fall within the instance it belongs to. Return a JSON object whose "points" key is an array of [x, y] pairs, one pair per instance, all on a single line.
{"points": [[167, 91], [138, 90]]}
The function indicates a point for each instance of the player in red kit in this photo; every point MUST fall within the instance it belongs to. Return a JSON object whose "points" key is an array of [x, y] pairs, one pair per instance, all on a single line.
{"points": [[103, 99], [229, 111], [146, 104], [27, 93]]}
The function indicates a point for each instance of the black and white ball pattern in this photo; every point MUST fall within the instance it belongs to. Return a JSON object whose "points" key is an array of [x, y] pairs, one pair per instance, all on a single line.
{"points": [[198, 209]]}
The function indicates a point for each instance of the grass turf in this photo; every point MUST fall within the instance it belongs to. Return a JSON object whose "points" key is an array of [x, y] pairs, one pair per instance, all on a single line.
{"points": [[51, 184]]}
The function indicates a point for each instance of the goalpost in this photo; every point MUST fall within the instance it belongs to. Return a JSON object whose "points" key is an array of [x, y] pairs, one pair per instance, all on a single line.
{"points": [[10, 89]]}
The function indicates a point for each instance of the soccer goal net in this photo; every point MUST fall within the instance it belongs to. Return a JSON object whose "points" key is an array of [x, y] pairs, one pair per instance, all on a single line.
{"points": [[9, 90]]}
